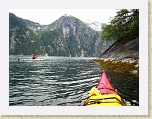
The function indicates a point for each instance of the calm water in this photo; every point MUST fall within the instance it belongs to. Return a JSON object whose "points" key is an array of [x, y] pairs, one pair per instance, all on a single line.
{"points": [[62, 81]]}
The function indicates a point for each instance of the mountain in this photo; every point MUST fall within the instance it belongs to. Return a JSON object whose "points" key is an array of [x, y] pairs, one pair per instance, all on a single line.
{"points": [[67, 36], [97, 26], [73, 35], [21, 38]]}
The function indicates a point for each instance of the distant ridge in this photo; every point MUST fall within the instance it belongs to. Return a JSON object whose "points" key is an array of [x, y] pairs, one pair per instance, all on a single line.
{"points": [[66, 36]]}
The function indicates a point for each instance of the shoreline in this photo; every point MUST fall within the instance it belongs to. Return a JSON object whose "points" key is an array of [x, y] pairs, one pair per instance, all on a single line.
{"points": [[126, 65]]}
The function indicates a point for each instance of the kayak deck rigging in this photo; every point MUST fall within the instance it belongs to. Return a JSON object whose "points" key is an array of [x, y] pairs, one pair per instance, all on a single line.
{"points": [[104, 94]]}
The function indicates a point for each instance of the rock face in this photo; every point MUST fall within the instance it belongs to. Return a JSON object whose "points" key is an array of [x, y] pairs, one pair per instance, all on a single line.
{"points": [[21, 38], [123, 50], [74, 36], [67, 36], [122, 56], [94, 25]]}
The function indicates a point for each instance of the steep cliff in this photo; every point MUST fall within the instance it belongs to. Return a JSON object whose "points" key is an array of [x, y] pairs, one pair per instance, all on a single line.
{"points": [[123, 49], [67, 36], [76, 35], [122, 56], [21, 38]]}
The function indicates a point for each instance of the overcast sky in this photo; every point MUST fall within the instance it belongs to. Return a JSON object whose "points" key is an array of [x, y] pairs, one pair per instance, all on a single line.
{"points": [[47, 16]]}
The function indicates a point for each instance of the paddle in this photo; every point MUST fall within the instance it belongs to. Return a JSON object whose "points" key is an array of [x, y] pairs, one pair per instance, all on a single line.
{"points": [[40, 53]]}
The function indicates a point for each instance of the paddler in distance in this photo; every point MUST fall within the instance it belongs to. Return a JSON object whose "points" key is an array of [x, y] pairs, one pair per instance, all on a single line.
{"points": [[34, 56]]}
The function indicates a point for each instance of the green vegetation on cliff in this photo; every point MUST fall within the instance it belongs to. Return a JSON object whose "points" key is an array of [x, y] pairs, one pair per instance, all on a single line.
{"points": [[67, 36], [123, 55], [21, 38], [124, 26]]}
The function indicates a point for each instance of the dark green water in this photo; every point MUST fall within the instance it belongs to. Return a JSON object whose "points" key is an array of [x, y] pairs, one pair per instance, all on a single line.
{"points": [[62, 81]]}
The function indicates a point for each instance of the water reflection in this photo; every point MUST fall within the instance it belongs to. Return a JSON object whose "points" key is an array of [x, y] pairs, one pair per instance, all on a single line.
{"points": [[62, 81]]}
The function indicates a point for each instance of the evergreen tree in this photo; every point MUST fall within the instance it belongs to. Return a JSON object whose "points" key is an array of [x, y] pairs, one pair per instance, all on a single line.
{"points": [[124, 26]]}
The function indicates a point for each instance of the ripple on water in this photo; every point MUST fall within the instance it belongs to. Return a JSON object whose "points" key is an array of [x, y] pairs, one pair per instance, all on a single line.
{"points": [[58, 82]]}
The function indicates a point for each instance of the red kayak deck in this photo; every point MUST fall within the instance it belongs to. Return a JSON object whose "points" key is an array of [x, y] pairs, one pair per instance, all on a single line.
{"points": [[104, 85]]}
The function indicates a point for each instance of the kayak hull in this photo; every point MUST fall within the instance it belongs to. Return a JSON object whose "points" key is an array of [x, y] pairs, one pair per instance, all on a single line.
{"points": [[31, 60], [104, 94], [104, 100], [98, 99], [104, 85]]}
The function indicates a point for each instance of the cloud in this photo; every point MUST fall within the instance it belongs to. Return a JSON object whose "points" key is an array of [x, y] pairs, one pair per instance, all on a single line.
{"points": [[47, 16]]}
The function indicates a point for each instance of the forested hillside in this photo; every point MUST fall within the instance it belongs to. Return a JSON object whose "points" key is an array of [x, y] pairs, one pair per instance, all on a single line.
{"points": [[67, 36], [123, 55], [124, 28], [21, 38]]}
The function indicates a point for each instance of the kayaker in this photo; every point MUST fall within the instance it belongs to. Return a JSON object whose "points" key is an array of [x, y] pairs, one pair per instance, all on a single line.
{"points": [[34, 56]]}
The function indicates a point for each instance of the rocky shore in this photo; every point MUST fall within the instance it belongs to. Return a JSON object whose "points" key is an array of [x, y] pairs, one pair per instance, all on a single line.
{"points": [[119, 65], [122, 56]]}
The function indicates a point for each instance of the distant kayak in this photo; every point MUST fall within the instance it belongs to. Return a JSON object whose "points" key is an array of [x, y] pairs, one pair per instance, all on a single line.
{"points": [[104, 94], [29, 60]]}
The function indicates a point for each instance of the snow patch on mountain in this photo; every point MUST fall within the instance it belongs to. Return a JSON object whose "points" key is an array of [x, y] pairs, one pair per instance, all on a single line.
{"points": [[94, 25]]}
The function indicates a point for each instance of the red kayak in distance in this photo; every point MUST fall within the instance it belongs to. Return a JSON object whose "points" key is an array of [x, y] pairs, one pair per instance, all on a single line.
{"points": [[104, 85]]}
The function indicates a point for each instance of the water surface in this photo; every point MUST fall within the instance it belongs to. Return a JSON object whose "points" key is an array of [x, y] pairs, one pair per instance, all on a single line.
{"points": [[62, 81]]}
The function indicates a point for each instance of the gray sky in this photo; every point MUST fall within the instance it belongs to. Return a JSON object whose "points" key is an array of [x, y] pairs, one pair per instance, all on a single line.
{"points": [[47, 16]]}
